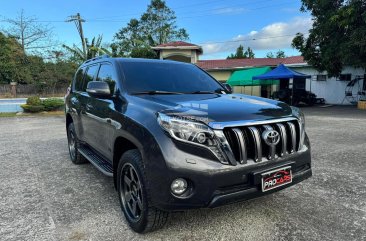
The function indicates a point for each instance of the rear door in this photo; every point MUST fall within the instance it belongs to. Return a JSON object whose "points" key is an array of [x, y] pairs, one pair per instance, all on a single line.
{"points": [[75, 103], [99, 111]]}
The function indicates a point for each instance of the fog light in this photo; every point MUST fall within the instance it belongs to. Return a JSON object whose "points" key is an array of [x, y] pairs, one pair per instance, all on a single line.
{"points": [[179, 186]]}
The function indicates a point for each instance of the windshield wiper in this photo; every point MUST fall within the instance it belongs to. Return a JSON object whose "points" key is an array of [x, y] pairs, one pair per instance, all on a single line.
{"points": [[156, 92], [218, 91]]}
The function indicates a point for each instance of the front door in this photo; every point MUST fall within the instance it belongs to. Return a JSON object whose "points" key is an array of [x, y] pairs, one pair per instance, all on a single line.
{"points": [[99, 114]]}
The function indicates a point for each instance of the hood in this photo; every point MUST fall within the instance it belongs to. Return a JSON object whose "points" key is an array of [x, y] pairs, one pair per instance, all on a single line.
{"points": [[210, 108]]}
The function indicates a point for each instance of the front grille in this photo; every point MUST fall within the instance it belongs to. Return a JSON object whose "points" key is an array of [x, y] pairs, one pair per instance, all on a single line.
{"points": [[246, 142]]}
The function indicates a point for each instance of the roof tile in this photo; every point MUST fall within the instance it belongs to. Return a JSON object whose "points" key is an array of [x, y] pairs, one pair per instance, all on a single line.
{"points": [[241, 63]]}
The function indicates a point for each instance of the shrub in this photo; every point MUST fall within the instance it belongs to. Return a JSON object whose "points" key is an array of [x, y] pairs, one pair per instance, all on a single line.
{"points": [[32, 108], [34, 101], [51, 104]]}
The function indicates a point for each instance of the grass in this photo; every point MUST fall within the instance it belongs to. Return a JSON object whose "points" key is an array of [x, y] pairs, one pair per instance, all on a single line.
{"points": [[5, 114], [49, 113]]}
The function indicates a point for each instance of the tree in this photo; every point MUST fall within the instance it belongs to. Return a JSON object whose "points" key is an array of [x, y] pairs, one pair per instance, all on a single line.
{"points": [[270, 55], [12, 61], [337, 36], [280, 54], [32, 35], [93, 49], [249, 53], [240, 54], [156, 26]]}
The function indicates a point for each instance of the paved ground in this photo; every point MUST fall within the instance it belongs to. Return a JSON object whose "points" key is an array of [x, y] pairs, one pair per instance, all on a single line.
{"points": [[44, 197]]}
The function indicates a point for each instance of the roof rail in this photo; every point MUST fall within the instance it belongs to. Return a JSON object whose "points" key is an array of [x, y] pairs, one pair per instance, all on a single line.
{"points": [[99, 57]]}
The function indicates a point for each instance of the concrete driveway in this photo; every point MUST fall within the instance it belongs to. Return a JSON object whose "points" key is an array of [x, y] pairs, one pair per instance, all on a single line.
{"points": [[43, 196]]}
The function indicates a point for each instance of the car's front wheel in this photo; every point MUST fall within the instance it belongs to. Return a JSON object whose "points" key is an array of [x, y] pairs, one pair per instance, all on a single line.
{"points": [[134, 196]]}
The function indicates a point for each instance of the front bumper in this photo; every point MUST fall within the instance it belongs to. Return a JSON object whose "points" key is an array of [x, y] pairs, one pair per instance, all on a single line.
{"points": [[215, 184]]}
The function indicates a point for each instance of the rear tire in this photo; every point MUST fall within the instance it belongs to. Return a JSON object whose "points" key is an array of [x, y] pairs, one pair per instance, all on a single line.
{"points": [[73, 144], [134, 195]]}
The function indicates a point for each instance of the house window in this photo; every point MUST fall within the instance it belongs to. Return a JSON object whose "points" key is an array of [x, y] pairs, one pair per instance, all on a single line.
{"points": [[321, 77], [345, 77]]}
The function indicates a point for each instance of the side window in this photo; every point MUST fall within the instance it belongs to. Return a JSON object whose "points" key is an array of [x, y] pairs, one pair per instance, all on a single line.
{"points": [[90, 73], [78, 80], [107, 74]]}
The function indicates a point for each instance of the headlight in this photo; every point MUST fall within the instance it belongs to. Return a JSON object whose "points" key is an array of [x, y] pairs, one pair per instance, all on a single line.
{"points": [[187, 131], [299, 114], [301, 117], [192, 132]]}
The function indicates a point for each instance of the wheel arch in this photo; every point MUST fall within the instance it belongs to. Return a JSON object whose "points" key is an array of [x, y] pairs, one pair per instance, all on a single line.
{"points": [[68, 120], [120, 146]]}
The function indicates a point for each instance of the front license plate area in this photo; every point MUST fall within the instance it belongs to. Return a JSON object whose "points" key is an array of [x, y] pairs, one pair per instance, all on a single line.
{"points": [[276, 178]]}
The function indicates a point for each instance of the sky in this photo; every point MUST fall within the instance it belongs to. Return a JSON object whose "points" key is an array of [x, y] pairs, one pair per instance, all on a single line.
{"points": [[219, 26]]}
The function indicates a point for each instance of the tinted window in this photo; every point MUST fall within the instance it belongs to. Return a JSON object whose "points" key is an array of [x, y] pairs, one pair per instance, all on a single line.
{"points": [[167, 76], [79, 79], [90, 73], [106, 74]]}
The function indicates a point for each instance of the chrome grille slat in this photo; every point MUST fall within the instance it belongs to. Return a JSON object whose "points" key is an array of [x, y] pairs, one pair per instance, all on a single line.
{"points": [[283, 134], [247, 143], [293, 136], [242, 145], [272, 154], [257, 143]]}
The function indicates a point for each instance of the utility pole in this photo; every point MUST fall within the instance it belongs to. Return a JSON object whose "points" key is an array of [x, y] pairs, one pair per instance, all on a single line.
{"points": [[78, 23]]}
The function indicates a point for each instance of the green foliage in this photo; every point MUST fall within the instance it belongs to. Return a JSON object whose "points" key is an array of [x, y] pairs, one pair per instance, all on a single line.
{"points": [[52, 104], [270, 55], [17, 66], [35, 104], [93, 49], [279, 54], [337, 37], [12, 60], [32, 108], [240, 54], [156, 26], [34, 101]]}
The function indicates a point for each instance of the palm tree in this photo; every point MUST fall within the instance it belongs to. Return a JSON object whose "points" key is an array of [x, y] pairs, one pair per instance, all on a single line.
{"points": [[93, 49]]}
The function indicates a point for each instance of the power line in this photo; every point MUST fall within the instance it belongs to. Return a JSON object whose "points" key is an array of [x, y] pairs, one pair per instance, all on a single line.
{"points": [[250, 39]]}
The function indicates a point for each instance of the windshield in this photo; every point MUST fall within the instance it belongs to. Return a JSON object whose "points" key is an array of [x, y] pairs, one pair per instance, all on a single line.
{"points": [[167, 77]]}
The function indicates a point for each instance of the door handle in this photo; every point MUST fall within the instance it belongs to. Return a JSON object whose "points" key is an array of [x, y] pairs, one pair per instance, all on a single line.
{"points": [[88, 107]]}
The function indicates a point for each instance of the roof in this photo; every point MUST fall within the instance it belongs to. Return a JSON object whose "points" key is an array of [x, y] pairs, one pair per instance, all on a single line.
{"points": [[244, 63], [281, 72], [178, 45], [244, 77]]}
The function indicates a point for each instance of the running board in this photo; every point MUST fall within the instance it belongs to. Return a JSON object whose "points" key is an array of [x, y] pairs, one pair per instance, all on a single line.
{"points": [[99, 162]]}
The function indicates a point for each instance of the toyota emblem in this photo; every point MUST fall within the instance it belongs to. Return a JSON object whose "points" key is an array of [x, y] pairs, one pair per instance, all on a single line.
{"points": [[271, 137]]}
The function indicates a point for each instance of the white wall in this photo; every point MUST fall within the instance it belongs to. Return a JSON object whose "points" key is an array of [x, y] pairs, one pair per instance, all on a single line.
{"points": [[331, 89]]}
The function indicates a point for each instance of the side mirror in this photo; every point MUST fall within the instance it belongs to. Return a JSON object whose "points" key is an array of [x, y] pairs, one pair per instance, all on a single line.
{"points": [[228, 87], [98, 89]]}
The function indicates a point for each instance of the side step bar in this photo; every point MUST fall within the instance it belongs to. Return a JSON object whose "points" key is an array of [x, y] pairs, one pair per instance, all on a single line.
{"points": [[99, 162]]}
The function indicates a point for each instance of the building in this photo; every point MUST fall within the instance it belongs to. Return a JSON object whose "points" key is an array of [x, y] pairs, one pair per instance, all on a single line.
{"points": [[330, 88]]}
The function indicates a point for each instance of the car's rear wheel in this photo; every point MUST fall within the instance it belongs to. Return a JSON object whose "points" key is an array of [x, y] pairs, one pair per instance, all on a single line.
{"points": [[73, 144], [134, 195]]}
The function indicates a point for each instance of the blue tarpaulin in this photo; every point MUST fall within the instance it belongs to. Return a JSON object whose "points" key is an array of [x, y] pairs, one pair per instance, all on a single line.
{"points": [[281, 72]]}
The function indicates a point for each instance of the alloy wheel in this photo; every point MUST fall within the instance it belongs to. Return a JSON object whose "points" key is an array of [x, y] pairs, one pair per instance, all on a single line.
{"points": [[131, 192]]}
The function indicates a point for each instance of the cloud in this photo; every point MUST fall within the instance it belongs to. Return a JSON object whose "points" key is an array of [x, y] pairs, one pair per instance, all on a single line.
{"points": [[277, 35]]}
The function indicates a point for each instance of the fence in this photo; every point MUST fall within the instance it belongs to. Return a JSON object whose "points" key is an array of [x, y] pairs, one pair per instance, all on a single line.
{"points": [[29, 90]]}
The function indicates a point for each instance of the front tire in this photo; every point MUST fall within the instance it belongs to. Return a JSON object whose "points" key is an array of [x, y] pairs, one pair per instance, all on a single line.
{"points": [[134, 195], [73, 144]]}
